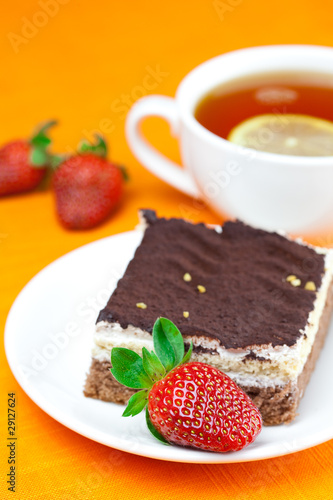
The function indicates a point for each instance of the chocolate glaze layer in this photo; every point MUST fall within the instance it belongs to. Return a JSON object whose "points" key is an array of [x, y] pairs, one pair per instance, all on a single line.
{"points": [[248, 301]]}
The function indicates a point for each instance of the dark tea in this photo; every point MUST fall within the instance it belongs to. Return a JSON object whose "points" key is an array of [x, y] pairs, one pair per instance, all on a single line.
{"points": [[272, 93]]}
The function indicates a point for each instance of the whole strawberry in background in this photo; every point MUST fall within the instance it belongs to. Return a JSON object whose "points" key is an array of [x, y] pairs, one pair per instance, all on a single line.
{"points": [[23, 162], [187, 403], [87, 186]]}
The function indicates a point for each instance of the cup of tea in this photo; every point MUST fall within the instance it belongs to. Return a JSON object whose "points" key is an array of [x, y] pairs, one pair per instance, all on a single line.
{"points": [[255, 129]]}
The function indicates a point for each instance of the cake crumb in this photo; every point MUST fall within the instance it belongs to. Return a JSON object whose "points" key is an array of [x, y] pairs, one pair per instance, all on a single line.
{"points": [[187, 277], [186, 314], [295, 282], [201, 289], [291, 277], [310, 285], [141, 305]]}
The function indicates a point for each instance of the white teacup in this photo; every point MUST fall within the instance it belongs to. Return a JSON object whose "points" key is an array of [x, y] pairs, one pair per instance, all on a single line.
{"points": [[267, 190]]}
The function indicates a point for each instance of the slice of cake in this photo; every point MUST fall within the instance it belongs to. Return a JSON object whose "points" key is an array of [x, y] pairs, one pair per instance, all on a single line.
{"points": [[255, 304]]}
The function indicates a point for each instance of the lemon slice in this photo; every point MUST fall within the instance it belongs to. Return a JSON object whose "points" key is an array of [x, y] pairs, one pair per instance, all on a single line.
{"points": [[286, 134]]}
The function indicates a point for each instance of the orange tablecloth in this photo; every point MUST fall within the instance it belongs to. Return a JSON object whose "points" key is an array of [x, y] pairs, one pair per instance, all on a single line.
{"points": [[85, 63]]}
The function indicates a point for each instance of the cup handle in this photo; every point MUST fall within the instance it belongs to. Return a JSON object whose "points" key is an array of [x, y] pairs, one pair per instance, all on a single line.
{"points": [[155, 162]]}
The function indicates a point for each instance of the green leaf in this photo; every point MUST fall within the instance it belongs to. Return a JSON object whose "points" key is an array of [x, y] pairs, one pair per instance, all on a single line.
{"points": [[168, 343], [84, 146], [162, 346], [38, 157], [136, 403], [152, 365], [127, 369], [174, 337], [98, 148], [187, 356], [40, 141], [153, 430]]}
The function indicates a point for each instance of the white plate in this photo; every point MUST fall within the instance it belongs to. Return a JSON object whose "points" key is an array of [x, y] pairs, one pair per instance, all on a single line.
{"points": [[48, 339]]}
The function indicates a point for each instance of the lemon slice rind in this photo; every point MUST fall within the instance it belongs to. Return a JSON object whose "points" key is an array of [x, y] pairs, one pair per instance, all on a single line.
{"points": [[289, 134]]}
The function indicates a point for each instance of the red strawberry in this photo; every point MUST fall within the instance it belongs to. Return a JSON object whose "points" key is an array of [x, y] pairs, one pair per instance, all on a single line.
{"points": [[189, 404], [87, 187], [205, 409], [23, 162]]}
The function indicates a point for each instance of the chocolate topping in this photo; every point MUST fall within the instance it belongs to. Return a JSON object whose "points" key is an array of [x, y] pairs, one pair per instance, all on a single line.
{"points": [[247, 301], [252, 356]]}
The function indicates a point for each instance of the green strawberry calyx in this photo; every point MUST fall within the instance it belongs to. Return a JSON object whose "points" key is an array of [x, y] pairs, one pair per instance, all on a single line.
{"points": [[137, 372], [99, 147], [40, 156]]}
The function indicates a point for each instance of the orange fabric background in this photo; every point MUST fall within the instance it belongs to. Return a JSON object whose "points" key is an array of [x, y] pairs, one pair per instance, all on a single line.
{"points": [[80, 64]]}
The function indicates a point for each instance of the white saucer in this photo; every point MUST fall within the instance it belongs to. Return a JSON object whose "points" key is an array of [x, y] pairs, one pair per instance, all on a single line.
{"points": [[48, 339]]}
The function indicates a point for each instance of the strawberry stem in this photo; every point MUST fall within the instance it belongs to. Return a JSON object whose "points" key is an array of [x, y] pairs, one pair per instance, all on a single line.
{"points": [[43, 127]]}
